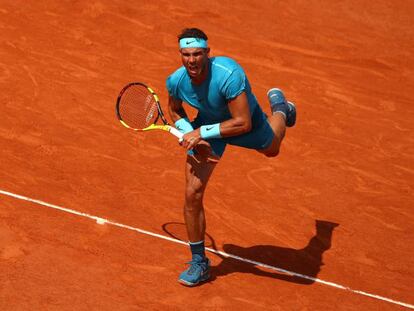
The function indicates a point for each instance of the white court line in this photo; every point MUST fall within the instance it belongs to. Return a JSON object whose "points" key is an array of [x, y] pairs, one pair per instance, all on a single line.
{"points": [[256, 263]]}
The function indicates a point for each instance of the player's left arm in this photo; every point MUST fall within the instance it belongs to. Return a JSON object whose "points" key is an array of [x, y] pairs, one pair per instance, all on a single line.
{"points": [[239, 123], [241, 119]]}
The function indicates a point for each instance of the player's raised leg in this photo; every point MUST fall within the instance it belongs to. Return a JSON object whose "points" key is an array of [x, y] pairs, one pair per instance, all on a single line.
{"points": [[283, 115], [197, 176]]}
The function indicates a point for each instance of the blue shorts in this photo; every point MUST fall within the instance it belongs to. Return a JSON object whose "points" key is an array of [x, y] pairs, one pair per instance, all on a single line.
{"points": [[260, 137]]}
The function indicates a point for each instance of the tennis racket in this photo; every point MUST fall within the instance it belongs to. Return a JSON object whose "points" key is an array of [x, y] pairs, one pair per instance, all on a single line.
{"points": [[138, 108]]}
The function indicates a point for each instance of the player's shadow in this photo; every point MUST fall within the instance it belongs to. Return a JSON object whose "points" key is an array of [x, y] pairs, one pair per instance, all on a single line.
{"points": [[305, 263]]}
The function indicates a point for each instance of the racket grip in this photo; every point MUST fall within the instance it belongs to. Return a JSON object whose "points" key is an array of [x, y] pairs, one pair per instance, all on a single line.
{"points": [[176, 133]]}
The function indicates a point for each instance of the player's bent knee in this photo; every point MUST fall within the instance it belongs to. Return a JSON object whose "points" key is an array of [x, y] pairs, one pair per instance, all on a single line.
{"points": [[271, 153], [272, 150]]}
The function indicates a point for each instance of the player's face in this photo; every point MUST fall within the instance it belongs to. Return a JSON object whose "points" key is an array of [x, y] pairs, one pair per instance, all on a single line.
{"points": [[195, 60]]}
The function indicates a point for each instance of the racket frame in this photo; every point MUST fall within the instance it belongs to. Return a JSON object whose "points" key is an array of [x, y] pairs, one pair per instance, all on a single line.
{"points": [[164, 127]]}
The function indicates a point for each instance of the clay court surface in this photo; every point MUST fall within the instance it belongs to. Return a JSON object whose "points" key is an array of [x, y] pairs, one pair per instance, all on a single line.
{"points": [[336, 205]]}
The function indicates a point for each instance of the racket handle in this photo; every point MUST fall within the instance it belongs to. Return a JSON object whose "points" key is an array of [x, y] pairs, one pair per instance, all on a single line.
{"points": [[176, 133]]}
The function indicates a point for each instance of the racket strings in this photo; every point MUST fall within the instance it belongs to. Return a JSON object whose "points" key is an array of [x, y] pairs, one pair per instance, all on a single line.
{"points": [[138, 107]]}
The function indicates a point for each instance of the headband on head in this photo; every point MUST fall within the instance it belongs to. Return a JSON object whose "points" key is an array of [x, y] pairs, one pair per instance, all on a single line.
{"points": [[193, 43]]}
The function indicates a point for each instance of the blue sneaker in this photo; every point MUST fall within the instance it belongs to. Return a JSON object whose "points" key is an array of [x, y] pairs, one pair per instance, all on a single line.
{"points": [[199, 271], [278, 103]]}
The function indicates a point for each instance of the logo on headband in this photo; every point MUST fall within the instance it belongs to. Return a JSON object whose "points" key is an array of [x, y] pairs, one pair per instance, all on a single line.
{"points": [[193, 43]]}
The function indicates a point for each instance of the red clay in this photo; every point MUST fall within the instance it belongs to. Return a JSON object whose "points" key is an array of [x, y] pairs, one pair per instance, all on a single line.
{"points": [[348, 66]]}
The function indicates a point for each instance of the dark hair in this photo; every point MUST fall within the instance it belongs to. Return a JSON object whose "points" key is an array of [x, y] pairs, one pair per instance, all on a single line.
{"points": [[192, 33]]}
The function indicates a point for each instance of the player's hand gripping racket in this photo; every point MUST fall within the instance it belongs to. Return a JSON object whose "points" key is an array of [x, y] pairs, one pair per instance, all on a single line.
{"points": [[138, 108]]}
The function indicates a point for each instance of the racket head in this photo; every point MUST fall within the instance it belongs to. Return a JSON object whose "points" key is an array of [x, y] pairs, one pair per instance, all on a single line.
{"points": [[138, 106]]}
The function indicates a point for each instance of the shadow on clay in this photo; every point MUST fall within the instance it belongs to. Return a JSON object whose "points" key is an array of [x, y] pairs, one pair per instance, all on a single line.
{"points": [[306, 261]]}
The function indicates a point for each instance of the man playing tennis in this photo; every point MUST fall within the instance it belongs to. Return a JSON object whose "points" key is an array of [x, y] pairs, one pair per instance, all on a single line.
{"points": [[228, 113]]}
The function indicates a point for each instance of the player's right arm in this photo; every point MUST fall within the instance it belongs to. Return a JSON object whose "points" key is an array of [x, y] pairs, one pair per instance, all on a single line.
{"points": [[182, 123], [179, 117], [175, 109], [175, 104]]}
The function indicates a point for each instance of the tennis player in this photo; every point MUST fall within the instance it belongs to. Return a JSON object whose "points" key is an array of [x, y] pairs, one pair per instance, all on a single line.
{"points": [[228, 113]]}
